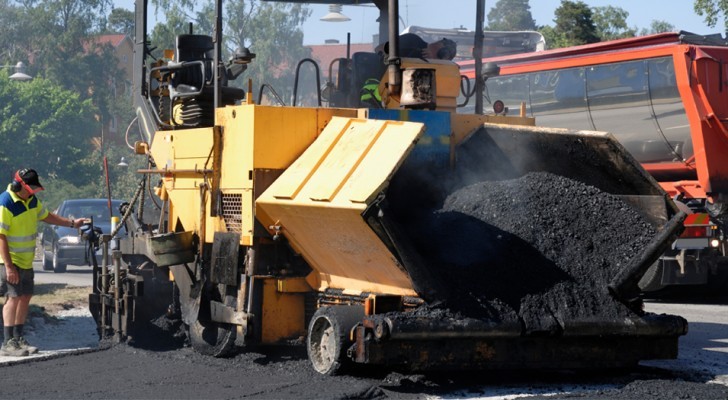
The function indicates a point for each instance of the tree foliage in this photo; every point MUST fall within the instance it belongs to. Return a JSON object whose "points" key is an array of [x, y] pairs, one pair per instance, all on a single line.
{"points": [[657, 26], [60, 36], [712, 10], [611, 23], [53, 123], [574, 24], [14, 33], [47, 127], [121, 21], [511, 15]]}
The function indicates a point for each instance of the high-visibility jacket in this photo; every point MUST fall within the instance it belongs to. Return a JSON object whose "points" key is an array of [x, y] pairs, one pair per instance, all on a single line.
{"points": [[370, 93], [19, 223]]}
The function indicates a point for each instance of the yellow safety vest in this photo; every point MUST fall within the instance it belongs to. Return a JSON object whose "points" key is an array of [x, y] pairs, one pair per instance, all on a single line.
{"points": [[19, 223], [370, 92]]}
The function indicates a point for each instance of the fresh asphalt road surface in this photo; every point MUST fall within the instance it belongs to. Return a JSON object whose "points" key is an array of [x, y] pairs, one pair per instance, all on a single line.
{"points": [[75, 275]]}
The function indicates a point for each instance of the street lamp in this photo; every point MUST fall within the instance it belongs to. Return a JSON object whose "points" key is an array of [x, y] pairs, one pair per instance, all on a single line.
{"points": [[122, 163], [19, 74], [335, 14]]}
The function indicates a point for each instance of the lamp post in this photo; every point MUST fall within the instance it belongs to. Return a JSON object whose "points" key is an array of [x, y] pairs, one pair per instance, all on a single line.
{"points": [[335, 14], [19, 74]]}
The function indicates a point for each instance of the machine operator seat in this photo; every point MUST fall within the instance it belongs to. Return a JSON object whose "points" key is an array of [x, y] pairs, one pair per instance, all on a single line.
{"points": [[191, 88]]}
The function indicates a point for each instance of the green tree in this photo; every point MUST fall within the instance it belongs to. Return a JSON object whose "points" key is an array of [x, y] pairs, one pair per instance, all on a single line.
{"points": [[273, 32], [511, 15], [713, 10], [48, 127], [611, 23], [657, 26], [59, 36], [14, 33], [121, 21], [69, 46], [574, 24], [66, 60], [179, 19], [553, 39]]}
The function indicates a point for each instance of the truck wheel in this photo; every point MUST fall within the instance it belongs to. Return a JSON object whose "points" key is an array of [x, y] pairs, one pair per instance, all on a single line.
{"points": [[58, 267], [214, 338], [652, 279], [718, 283], [47, 262], [328, 337]]}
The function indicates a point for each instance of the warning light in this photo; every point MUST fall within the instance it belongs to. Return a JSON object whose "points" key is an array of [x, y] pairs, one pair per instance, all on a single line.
{"points": [[695, 232]]}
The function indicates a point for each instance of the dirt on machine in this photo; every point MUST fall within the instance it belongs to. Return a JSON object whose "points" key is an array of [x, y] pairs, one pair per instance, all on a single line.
{"points": [[406, 235]]}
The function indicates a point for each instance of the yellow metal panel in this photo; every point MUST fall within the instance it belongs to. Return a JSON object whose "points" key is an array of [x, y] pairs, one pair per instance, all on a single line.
{"points": [[464, 124], [348, 153], [281, 134], [253, 137], [342, 248], [263, 137], [300, 172], [237, 149], [319, 200], [293, 285], [181, 153], [381, 161], [283, 315], [237, 125]]}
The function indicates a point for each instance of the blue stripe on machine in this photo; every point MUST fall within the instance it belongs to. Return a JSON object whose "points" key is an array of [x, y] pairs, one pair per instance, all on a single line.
{"points": [[434, 144]]}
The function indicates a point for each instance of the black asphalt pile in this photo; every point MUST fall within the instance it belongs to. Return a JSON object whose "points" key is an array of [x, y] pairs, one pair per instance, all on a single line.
{"points": [[541, 246]]}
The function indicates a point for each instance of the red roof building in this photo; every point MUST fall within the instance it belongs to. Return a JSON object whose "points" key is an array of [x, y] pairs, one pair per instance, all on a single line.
{"points": [[324, 54]]}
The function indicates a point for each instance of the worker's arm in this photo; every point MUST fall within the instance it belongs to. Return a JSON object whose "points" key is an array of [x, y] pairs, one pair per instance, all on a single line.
{"points": [[10, 270], [61, 221]]}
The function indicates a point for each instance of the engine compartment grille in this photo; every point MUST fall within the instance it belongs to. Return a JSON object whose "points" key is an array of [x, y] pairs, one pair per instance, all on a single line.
{"points": [[232, 208]]}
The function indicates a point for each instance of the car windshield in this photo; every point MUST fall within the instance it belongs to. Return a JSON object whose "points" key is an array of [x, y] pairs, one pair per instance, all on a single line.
{"points": [[99, 212]]}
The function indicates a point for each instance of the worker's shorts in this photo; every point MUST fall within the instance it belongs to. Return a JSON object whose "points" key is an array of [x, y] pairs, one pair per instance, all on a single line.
{"points": [[25, 286]]}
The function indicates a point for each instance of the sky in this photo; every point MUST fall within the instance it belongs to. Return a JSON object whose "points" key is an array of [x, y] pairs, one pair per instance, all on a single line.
{"points": [[456, 13]]}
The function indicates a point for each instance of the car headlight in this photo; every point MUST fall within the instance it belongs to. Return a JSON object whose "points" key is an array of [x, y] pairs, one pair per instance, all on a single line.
{"points": [[70, 240], [715, 243]]}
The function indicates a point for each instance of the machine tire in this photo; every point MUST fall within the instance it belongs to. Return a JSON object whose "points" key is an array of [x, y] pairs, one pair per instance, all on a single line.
{"points": [[214, 338], [58, 267], [328, 337]]}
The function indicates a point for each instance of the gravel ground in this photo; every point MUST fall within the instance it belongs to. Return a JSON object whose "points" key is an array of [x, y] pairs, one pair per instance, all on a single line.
{"points": [[124, 372]]}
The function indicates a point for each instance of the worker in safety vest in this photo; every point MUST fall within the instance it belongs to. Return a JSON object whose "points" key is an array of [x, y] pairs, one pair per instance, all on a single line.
{"points": [[370, 96], [20, 212]]}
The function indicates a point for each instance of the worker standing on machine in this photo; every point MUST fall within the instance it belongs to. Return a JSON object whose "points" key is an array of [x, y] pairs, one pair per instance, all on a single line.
{"points": [[20, 211], [411, 45]]}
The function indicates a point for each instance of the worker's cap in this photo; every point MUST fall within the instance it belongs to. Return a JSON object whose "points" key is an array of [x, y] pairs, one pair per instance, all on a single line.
{"points": [[29, 179], [449, 49]]}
